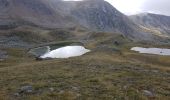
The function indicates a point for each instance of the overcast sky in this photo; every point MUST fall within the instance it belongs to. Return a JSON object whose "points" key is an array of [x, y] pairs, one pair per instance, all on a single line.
{"points": [[130, 7], [138, 6]]}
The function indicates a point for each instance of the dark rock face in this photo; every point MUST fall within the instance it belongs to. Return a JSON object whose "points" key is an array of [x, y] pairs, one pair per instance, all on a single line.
{"points": [[35, 6], [3, 4], [101, 16], [4, 8]]}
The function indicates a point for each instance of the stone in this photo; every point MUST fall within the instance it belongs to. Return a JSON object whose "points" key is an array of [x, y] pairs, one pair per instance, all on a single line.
{"points": [[125, 87], [26, 89], [38, 58], [3, 55], [16, 94], [116, 43], [51, 89], [75, 88], [61, 92], [148, 93]]}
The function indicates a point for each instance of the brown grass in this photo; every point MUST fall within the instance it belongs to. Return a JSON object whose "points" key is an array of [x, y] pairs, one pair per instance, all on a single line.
{"points": [[99, 75]]}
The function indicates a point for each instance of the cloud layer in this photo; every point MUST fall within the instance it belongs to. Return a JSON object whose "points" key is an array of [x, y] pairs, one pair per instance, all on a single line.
{"points": [[156, 6], [130, 7]]}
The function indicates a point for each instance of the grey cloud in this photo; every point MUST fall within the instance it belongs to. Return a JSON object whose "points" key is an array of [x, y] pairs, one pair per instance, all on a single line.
{"points": [[157, 6]]}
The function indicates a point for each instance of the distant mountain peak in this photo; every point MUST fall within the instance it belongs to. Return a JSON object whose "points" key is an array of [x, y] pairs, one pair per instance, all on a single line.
{"points": [[155, 22]]}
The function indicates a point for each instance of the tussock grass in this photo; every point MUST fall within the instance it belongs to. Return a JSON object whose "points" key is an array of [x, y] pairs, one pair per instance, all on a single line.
{"points": [[93, 76]]}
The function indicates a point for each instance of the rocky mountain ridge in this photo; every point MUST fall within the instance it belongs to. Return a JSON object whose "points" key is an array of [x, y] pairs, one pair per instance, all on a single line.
{"points": [[93, 15], [96, 15], [158, 23]]}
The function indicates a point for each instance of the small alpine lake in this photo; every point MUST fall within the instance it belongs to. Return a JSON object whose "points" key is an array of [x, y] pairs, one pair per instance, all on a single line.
{"points": [[59, 51], [156, 51]]}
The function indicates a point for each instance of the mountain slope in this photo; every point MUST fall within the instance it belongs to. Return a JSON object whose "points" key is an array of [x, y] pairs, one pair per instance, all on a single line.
{"points": [[36, 12], [102, 16], [158, 23], [95, 15]]}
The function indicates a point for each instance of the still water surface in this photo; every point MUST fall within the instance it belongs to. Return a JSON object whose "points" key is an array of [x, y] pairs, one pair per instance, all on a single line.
{"points": [[157, 51]]}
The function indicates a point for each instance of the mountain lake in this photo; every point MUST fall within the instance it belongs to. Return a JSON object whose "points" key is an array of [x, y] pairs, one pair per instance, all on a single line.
{"points": [[59, 51], [157, 51]]}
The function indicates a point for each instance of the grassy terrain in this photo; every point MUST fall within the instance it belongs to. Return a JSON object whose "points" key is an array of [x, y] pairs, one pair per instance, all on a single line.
{"points": [[103, 74]]}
